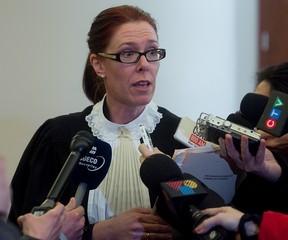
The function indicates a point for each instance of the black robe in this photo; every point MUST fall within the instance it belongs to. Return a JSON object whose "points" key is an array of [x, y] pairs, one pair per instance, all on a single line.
{"points": [[48, 149]]}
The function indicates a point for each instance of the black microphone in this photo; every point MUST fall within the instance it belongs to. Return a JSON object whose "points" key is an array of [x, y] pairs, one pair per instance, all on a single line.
{"points": [[240, 119], [92, 168], [267, 113], [80, 144], [274, 119], [177, 196], [252, 106]]}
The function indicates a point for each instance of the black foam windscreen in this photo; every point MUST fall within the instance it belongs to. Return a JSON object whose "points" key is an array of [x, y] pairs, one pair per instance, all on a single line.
{"points": [[159, 168], [177, 192], [240, 119], [93, 167], [82, 142], [252, 107]]}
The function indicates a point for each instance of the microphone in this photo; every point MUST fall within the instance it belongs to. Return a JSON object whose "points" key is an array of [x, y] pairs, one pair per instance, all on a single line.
{"points": [[275, 115], [92, 168], [240, 119], [252, 107], [80, 144], [178, 195], [267, 113]]}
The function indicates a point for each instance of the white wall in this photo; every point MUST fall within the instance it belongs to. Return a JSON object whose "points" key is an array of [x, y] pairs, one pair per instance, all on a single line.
{"points": [[210, 64]]}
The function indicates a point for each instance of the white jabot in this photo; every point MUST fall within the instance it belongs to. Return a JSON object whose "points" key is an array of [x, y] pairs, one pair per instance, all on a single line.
{"points": [[122, 187]]}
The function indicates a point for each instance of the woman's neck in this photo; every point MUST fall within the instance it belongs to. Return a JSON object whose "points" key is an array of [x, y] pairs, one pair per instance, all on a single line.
{"points": [[120, 113]]}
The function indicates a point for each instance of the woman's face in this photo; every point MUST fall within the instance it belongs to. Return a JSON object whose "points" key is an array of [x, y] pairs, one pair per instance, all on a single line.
{"points": [[263, 88], [132, 84]]}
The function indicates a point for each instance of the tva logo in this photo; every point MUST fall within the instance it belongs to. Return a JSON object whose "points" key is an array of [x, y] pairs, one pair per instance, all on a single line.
{"points": [[275, 114]]}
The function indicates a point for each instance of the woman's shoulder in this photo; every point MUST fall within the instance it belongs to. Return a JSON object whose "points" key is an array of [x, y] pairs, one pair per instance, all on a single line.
{"points": [[75, 116], [168, 114], [64, 127]]}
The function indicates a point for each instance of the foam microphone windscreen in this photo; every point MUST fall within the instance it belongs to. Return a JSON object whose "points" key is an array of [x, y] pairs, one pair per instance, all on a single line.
{"points": [[176, 192], [239, 119], [81, 142], [93, 167], [159, 168], [252, 107], [154, 170]]}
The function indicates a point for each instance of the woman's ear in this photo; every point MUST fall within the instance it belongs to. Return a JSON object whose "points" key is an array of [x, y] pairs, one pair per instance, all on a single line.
{"points": [[97, 65]]}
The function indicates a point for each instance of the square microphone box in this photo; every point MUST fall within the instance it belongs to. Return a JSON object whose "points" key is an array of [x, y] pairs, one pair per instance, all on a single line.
{"points": [[275, 114]]}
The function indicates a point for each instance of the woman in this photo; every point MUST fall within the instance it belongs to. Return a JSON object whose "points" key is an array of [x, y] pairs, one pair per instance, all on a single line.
{"points": [[124, 60]]}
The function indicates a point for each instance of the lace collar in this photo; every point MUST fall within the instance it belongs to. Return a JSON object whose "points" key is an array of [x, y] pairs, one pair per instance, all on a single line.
{"points": [[108, 131]]}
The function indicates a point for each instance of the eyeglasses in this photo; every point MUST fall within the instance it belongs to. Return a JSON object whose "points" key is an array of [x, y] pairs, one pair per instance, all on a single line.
{"points": [[151, 55]]}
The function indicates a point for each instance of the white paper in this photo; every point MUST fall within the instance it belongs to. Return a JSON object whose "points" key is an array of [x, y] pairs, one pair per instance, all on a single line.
{"points": [[205, 164]]}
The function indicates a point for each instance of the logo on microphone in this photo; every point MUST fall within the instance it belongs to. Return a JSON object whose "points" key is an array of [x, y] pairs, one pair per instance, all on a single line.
{"points": [[189, 189], [91, 161], [274, 114], [186, 187]]}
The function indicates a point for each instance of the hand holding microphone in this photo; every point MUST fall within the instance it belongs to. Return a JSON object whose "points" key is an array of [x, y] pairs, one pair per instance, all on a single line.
{"points": [[256, 110], [269, 115], [87, 163], [177, 195], [80, 145], [146, 147], [263, 164]]}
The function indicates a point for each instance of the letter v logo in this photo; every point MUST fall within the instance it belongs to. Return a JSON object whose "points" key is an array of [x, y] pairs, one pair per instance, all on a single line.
{"points": [[278, 102]]}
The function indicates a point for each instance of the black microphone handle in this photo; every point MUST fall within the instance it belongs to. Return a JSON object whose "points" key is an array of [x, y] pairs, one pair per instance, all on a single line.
{"points": [[80, 193], [195, 217], [63, 176], [58, 185]]}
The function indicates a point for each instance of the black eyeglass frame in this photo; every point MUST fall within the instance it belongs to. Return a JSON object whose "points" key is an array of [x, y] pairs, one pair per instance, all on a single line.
{"points": [[116, 56]]}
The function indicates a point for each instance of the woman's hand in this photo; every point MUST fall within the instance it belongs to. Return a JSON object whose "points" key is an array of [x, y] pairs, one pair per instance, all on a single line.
{"points": [[146, 152], [135, 224]]}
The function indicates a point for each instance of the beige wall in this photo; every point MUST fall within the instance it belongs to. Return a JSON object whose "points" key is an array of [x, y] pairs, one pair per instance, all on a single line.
{"points": [[210, 64]]}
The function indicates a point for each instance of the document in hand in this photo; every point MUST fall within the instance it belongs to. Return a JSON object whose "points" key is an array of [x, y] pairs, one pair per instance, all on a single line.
{"points": [[205, 164]]}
